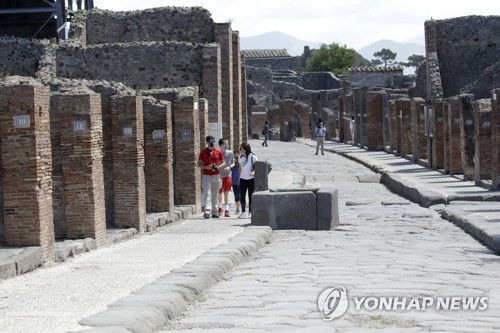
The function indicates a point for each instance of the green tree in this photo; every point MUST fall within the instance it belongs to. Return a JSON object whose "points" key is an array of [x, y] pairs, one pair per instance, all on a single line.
{"points": [[334, 58], [414, 60], [376, 62], [386, 55]]}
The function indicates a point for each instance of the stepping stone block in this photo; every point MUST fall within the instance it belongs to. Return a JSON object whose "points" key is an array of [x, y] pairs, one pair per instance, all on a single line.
{"points": [[304, 209]]}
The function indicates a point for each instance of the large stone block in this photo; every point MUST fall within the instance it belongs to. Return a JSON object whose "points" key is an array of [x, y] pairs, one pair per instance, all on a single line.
{"points": [[327, 207], [285, 210], [262, 169]]}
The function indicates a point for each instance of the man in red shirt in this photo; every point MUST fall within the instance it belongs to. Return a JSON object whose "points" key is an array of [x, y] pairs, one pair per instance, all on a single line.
{"points": [[210, 161]]}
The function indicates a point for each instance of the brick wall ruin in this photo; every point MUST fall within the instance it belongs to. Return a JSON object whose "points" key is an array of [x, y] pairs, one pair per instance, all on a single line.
{"points": [[120, 112]]}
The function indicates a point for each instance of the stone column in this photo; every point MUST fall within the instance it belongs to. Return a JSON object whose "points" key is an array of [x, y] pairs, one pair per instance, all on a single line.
{"points": [[418, 143], [186, 118], [236, 140], [359, 103], [437, 139], [244, 103], [128, 162], [495, 140], [224, 36], [212, 86], [393, 127], [374, 120], [465, 106], [203, 109], [482, 140], [81, 151], [26, 159], [158, 155], [340, 105], [455, 156], [405, 122]]}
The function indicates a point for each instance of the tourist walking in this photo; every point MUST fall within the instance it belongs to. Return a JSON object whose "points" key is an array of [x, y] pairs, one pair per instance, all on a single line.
{"points": [[210, 161], [320, 133], [225, 175], [235, 178], [265, 132], [247, 182]]}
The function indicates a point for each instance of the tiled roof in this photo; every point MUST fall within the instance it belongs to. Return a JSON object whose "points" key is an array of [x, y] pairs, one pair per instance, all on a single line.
{"points": [[277, 53], [376, 69]]}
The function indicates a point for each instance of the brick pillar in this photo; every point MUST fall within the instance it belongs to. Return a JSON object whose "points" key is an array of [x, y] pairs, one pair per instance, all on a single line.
{"points": [[405, 121], [437, 139], [80, 128], [158, 155], [224, 36], [203, 109], [393, 127], [237, 101], [107, 124], [359, 104], [465, 106], [349, 109], [26, 166], [418, 142], [495, 140], [244, 103], [482, 140], [340, 106], [212, 82], [187, 182], [446, 139], [128, 162], [374, 120], [455, 156]]}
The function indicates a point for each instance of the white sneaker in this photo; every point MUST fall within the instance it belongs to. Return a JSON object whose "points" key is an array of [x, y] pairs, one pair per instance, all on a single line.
{"points": [[243, 215]]}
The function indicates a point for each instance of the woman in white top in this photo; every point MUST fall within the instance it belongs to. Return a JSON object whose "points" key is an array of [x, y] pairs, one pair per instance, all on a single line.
{"points": [[247, 172], [352, 128]]}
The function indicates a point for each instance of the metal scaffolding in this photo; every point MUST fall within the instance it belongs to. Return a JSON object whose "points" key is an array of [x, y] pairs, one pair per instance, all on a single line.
{"points": [[40, 15]]}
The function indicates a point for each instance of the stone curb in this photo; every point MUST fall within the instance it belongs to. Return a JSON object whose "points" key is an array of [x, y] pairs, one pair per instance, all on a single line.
{"points": [[152, 307], [31, 258], [486, 232]]}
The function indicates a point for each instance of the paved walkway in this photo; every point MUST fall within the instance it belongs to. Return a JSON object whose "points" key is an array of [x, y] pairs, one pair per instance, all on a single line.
{"points": [[385, 246]]}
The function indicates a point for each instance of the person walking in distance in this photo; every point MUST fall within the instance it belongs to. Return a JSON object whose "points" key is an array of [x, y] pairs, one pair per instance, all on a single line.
{"points": [[352, 127], [247, 182], [225, 176], [265, 132], [210, 161], [235, 178], [320, 133]]}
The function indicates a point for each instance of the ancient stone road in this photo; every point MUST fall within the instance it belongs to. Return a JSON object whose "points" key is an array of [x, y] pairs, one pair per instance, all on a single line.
{"points": [[385, 246]]}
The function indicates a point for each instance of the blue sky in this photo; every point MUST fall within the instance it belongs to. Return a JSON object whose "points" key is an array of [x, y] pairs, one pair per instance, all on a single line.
{"points": [[355, 23]]}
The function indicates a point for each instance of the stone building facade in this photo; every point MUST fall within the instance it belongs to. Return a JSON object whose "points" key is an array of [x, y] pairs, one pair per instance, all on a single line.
{"points": [[123, 107]]}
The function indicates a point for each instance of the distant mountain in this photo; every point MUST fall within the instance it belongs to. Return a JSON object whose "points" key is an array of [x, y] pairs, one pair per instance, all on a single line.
{"points": [[277, 40], [403, 50]]}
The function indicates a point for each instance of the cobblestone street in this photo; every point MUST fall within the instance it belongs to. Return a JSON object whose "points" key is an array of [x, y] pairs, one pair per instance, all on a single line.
{"points": [[385, 246]]}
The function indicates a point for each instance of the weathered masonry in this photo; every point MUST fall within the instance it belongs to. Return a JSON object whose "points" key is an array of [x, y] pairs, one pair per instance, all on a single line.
{"points": [[102, 128], [450, 121]]}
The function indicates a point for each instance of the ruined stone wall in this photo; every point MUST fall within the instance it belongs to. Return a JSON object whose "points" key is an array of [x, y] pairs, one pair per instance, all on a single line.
{"points": [[465, 47], [19, 56], [328, 98], [157, 24], [271, 63], [312, 81], [131, 64], [373, 79], [261, 76]]}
